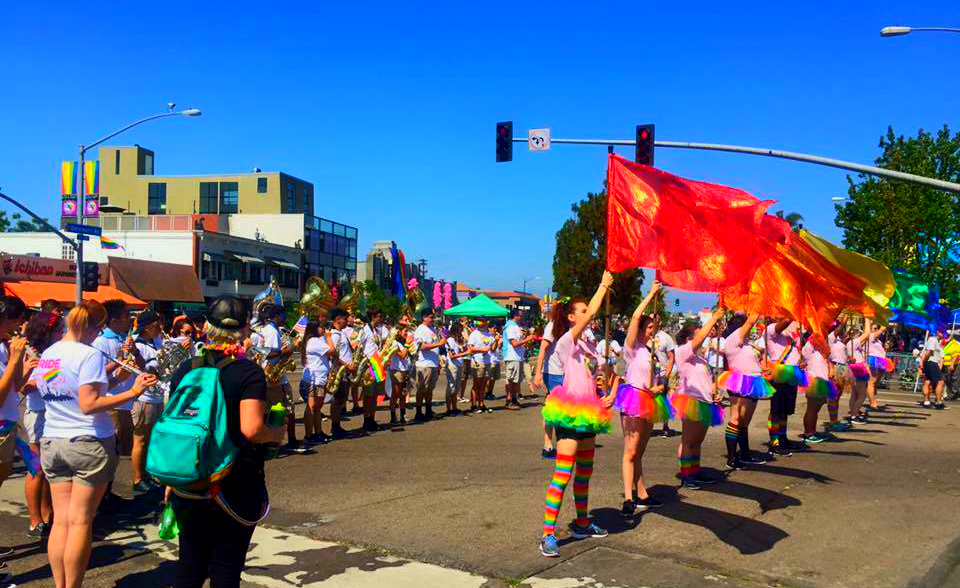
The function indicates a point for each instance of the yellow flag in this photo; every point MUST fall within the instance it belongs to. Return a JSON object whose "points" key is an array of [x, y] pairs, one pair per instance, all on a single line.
{"points": [[880, 283]]}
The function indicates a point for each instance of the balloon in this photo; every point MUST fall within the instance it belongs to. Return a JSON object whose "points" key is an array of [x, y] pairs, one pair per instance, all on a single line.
{"points": [[437, 295], [413, 284], [447, 296]]}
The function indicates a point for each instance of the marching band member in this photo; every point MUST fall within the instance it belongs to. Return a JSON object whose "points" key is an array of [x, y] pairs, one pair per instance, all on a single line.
{"points": [[428, 364], [316, 352], [341, 341], [372, 337], [275, 352], [400, 373]]}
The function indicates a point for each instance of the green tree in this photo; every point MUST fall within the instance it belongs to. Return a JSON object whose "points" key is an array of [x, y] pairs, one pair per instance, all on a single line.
{"points": [[581, 254], [904, 225], [15, 223], [377, 299], [794, 219]]}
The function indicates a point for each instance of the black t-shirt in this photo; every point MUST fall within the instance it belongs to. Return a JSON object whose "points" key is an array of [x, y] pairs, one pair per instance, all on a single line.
{"points": [[241, 379]]}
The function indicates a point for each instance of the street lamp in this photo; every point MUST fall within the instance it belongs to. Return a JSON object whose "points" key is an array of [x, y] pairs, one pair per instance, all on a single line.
{"points": [[83, 152], [840, 198], [525, 280], [898, 31]]}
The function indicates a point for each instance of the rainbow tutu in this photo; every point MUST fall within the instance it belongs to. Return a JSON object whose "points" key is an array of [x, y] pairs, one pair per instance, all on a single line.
{"points": [[642, 404], [860, 372], [821, 389], [788, 374], [694, 409], [583, 413], [841, 373], [880, 364], [744, 385]]}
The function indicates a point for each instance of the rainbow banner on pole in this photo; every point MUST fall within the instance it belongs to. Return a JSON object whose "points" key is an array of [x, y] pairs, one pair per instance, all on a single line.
{"points": [[91, 177], [68, 178], [376, 368]]}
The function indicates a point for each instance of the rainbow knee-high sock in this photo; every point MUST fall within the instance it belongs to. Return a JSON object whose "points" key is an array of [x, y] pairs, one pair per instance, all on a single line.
{"points": [[731, 436], [773, 427], [561, 477], [581, 485], [833, 408], [689, 466]]}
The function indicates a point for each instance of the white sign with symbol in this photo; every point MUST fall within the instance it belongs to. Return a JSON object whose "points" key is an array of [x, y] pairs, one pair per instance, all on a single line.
{"points": [[538, 139]]}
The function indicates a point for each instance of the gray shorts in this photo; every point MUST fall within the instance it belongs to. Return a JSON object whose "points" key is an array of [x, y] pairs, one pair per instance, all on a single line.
{"points": [[87, 459], [513, 371], [454, 377], [145, 415], [33, 425], [427, 379]]}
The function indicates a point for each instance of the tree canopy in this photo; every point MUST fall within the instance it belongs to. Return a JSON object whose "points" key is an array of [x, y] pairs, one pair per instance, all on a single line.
{"points": [[581, 256], [377, 299], [908, 226], [15, 223]]}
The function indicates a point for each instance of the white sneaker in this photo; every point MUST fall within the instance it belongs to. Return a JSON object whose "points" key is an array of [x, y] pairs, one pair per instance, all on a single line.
{"points": [[926, 404]]}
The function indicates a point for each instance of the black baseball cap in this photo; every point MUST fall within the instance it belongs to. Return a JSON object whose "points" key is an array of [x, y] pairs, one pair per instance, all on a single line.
{"points": [[227, 312], [147, 317]]}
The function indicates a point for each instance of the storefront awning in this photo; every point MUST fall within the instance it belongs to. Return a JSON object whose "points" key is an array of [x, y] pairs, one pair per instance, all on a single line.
{"points": [[213, 257], [139, 278], [244, 258], [33, 293], [283, 263]]}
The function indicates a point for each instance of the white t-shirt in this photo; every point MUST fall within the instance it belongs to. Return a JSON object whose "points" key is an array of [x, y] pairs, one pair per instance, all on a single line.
{"points": [[551, 362], [615, 350], [9, 410], [112, 347], [714, 357], [936, 350], [512, 332], [317, 367], [453, 348], [373, 338], [480, 339], [63, 368], [148, 351], [664, 344], [430, 357], [342, 345]]}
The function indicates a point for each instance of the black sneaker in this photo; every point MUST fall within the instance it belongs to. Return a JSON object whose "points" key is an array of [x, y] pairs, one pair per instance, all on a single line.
{"points": [[294, 447], [703, 480], [780, 451], [689, 483], [338, 432], [734, 463], [648, 502], [40, 531], [5, 552], [794, 446], [859, 419], [6, 578], [548, 453], [142, 487], [419, 418], [939, 406], [393, 420], [751, 458], [628, 510], [403, 419]]}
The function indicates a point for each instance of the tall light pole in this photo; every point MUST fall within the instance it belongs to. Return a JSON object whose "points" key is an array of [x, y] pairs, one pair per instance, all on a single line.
{"points": [[83, 151], [897, 31], [525, 280]]}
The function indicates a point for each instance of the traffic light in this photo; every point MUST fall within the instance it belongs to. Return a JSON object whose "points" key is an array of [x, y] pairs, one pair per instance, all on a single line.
{"points": [[504, 141], [645, 144], [90, 276]]}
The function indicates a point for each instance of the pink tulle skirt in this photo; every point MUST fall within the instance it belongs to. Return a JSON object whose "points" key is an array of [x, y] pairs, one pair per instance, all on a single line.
{"points": [[643, 404]]}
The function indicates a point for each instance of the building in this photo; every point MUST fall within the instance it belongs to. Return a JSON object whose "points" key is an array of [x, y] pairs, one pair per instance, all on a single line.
{"points": [[378, 267], [263, 206], [223, 264], [524, 302], [128, 182]]}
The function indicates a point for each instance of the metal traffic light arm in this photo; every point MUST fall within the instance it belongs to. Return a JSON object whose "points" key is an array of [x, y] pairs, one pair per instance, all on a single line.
{"points": [[827, 161]]}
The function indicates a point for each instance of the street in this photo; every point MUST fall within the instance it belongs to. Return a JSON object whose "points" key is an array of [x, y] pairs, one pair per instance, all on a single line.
{"points": [[459, 502]]}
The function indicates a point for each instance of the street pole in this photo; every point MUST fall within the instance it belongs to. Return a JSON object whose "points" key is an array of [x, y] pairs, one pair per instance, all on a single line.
{"points": [[815, 159], [896, 31]]}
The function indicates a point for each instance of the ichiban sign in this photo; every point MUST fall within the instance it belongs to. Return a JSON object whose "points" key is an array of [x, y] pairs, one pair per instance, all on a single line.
{"points": [[37, 269], [538, 139]]}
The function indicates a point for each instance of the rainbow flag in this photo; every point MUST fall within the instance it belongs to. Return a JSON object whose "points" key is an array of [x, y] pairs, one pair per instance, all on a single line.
{"points": [[91, 177], [31, 458], [376, 368], [68, 178], [107, 243], [51, 375]]}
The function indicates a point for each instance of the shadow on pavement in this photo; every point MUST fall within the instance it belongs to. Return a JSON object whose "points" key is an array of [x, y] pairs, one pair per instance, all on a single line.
{"points": [[767, 500], [748, 536], [849, 440], [843, 453], [793, 473], [161, 576]]}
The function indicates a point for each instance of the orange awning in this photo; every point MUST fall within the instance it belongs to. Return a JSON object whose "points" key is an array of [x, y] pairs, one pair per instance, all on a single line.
{"points": [[33, 293]]}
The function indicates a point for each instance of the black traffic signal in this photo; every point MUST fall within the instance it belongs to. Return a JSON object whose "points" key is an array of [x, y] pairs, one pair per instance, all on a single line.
{"points": [[504, 141], [90, 276], [645, 144]]}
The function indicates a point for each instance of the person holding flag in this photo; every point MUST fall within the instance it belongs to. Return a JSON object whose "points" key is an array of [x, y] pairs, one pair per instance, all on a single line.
{"points": [[371, 338]]}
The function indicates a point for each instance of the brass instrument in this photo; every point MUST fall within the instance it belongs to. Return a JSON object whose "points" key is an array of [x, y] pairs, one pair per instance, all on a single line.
{"points": [[170, 357], [275, 372], [386, 351]]}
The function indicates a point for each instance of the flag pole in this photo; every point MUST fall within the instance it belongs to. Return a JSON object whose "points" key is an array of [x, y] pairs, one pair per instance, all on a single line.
{"points": [[606, 306], [916, 381]]}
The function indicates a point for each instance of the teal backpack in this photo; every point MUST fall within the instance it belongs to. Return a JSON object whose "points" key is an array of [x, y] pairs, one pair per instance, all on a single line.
{"points": [[190, 449]]}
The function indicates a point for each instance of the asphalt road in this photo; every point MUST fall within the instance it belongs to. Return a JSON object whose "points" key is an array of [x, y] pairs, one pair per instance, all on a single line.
{"points": [[459, 502]]}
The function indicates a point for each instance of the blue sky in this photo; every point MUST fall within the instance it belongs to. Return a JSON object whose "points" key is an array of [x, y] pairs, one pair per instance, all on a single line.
{"points": [[390, 111]]}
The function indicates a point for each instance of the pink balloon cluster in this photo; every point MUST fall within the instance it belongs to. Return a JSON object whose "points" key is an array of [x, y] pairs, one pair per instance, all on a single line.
{"points": [[447, 296], [413, 284], [437, 295]]}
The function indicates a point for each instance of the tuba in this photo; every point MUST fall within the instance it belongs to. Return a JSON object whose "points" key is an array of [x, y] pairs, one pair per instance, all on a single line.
{"points": [[170, 357]]}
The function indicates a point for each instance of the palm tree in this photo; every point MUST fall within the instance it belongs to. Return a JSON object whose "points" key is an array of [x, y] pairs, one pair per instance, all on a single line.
{"points": [[794, 219]]}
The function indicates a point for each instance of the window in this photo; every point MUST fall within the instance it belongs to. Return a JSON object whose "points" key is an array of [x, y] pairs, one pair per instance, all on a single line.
{"points": [[67, 252], [351, 233], [208, 198], [148, 164], [326, 226], [261, 185], [306, 200], [254, 274], [156, 198], [228, 197], [116, 162], [104, 201], [291, 197]]}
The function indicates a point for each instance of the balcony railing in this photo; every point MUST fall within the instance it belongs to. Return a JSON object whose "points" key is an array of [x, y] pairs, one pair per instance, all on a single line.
{"points": [[167, 222]]}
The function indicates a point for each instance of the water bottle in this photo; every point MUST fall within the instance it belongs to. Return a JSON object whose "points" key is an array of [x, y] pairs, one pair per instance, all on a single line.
{"points": [[276, 417], [169, 528]]}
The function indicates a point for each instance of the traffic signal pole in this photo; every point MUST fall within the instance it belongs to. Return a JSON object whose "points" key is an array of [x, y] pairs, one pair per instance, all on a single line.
{"points": [[815, 159]]}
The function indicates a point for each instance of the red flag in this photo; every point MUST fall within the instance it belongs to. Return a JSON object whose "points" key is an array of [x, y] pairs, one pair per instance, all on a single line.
{"points": [[700, 236], [797, 282]]}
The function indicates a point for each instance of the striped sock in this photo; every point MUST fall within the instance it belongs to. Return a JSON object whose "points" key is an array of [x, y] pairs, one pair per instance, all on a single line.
{"points": [[783, 430], [689, 466], [730, 437], [581, 485], [833, 407], [561, 476], [773, 427]]}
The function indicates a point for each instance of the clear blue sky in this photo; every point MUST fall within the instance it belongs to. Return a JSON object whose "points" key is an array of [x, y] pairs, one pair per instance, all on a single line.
{"points": [[390, 111]]}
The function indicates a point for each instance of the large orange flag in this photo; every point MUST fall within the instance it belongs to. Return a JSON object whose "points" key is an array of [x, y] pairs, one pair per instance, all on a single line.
{"points": [[700, 236], [797, 282]]}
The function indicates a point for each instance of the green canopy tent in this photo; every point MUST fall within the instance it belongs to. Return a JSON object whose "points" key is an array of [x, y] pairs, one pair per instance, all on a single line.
{"points": [[480, 305]]}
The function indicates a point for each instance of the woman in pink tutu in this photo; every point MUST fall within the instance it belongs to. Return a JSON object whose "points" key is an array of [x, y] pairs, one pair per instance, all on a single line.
{"points": [[577, 413], [821, 387], [640, 404], [860, 372], [878, 362], [694, 400], [744, 381]]}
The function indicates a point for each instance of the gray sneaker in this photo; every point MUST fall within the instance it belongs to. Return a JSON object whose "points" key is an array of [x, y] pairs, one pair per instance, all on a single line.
{"points": [[590, 530], [549, 547]]}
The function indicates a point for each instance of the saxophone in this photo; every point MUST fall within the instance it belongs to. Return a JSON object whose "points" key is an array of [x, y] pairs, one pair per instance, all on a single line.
{"points": [[386, 351], [275, 372]]}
